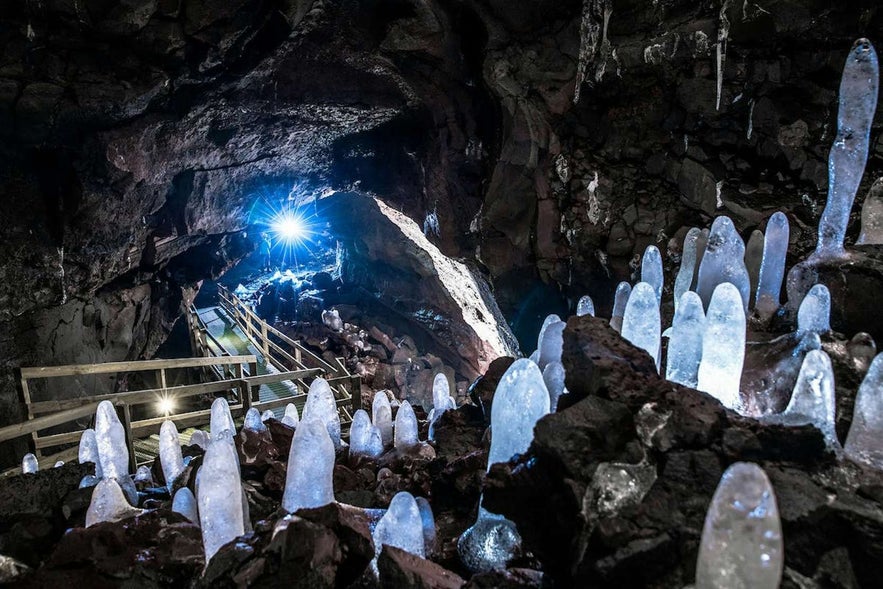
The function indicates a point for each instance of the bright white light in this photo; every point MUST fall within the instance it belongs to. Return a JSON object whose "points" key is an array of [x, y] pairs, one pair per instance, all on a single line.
{"points": [[290, 227], [166, 405]]}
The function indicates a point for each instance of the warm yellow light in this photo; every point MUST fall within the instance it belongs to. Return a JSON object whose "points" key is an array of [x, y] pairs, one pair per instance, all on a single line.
{"points": [[166, 405]]}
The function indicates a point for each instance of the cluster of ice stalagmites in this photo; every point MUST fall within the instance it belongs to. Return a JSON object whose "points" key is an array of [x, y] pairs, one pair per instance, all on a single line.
{"points": [[521, 399], [864, 442], [741, 543]]}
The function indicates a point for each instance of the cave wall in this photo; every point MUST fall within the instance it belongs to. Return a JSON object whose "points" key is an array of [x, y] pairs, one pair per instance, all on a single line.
{"points": [[137, 136]]}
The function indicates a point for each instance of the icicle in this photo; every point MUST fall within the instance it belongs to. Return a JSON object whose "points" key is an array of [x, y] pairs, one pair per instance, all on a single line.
{"points": [[381, 416], [849, 153], [219, 495], [185, 503], [322, 406], [741, 543], [814, 314], [723, 261], [405, 433], [723, 32], [723, 347]]}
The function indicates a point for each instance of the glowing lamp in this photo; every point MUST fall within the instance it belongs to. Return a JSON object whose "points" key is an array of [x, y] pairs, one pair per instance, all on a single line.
{"points": [[290, 227], [166, 405]]}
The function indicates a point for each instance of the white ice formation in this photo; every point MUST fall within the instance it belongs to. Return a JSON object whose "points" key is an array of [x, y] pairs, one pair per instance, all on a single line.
{"points": [[221, 421], [641, 324], [741, 543], [552, 343], [321, 405], [253, 421], [309, 481], [620, 300], [381, 417], [772, 266], [29, 464], [113, 452], [267, 415], [219, 496], [872, 216], [428, 521], [108, 503], [846, 163], [365, 439], [185, 503], [170, 456], [723, 261], [812, 400], [441, 400], [405, 434], [814, 314], [651, 270], [401, 526], [553, 377], [685, 343], [199, 438], [521, 399], [723, 346], [684, 278], [753, 257], [88, 451], [864, 443], [143, 476], [291, 416], [585, 306]]}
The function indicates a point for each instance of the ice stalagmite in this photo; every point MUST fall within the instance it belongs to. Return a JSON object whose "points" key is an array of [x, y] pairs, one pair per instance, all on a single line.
{"points": [[365, 439], [685, 344], [381, 417], [723, 346], [814, 314], [185, 503], [253, 421], [88, 451], [753, 257], [170, 452], [864, 443], [741, 545], [585, 306], [428, 521], [219, 496], [112, 449], [651, 270], [108, 504], [552, 343], [405, 435], [772, 266], [310, 467], [291, 417], [641, 324], [812, 400], [684, 279], [322, 406], [849, 153], [221, 420], [724, 261], [549, 320], [199, 438], [620, 300], [872, 216], [553, 377], [266, 415], [521, 399], [143, 476], [401, 526], [441, 400], [29, 464]]}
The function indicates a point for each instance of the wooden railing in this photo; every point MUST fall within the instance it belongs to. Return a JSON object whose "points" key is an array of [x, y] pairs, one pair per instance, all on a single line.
{"points": [[285, 353]]}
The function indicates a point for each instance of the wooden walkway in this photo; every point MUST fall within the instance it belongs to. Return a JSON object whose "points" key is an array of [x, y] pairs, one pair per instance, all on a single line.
{"points": [[237, 355]]}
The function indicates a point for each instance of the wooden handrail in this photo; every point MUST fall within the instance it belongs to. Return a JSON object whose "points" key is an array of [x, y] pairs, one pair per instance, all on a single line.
{"points": [[130, 366]]}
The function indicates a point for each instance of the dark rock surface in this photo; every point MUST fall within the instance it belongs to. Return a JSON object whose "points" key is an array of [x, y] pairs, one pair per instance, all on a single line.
{"points": [[620, 411]]}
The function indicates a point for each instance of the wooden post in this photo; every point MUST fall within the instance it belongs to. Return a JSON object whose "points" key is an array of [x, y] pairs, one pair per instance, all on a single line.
{"points": [[130, 443], [255, 390], [26, 393], [265, 343], [245, 395]]}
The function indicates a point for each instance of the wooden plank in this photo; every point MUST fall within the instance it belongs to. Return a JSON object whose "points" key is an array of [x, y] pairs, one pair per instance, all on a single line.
{"points": [[38, 423], [137, 397], [298, 400], [146, 427], [283, 376], [130, 366]]}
